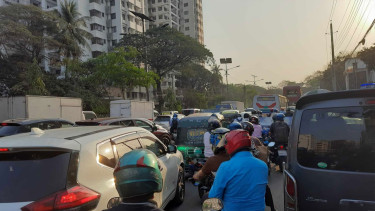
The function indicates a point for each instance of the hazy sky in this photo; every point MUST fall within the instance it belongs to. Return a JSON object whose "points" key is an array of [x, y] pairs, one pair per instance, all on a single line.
{"points": [[282, 39]]}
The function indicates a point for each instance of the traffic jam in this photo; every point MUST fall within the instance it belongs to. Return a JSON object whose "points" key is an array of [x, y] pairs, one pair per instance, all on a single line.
{"points": [[140, 158]]}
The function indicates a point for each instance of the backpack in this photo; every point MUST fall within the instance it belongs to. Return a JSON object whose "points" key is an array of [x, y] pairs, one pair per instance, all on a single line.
{"points": [[174, 123], [281, 132]]}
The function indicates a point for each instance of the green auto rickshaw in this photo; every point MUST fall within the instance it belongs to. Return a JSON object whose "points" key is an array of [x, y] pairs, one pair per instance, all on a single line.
{"points": [[229, 116], [190, 131]]}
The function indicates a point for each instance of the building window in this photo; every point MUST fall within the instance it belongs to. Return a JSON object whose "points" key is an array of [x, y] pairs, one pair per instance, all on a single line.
{"points": [[186, 4], [113, 16], [153, 1], [114, 42], [159, 1], [102, 14], [114, 29], [122, 3], [160, 8], [186, 20], [186, 28], [186, 12], [112, 2], [160, 17], [134, 95]]}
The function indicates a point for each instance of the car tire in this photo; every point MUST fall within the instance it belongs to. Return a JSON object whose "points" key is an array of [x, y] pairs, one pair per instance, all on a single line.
{"points": [[180, 189]]}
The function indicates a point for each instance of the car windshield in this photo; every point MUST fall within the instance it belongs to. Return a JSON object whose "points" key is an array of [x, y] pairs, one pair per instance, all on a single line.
{"points": [[162, 119], [9, 130], [31, 175], [338, 139]]}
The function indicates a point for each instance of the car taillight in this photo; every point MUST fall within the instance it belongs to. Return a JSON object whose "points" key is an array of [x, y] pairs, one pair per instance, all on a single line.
{"points": [[77, 196], [370, 102], [281, 147], [3, 124], [4, 149], [291, 192]]}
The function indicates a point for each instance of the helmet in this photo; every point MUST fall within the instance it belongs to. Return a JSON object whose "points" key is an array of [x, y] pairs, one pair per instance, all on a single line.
{"points": [[137, 173], [213, 124], [246, 115], [219, 133], [280, 117], [237, 140], [248, 127], [274, 117], [175, 115], [254, 120], [235, 126]]}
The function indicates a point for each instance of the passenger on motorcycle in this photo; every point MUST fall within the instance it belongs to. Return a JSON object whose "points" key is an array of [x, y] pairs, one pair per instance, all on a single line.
{"points": [[257, 127], [238, 118], [212, 125], [137, 178], [240, 182], [234, 126], [279, 130]]}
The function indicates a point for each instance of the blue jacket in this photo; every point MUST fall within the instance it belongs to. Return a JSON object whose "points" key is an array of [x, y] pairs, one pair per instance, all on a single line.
{"points": [[241, 183]]}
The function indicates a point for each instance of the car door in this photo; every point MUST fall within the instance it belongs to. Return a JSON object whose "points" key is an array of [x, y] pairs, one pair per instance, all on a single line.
{"points": [[169, 166]]}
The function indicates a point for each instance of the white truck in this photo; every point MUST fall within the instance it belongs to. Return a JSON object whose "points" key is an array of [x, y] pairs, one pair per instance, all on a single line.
{"points": [[236, 105], [31, 106], [132, 109]]}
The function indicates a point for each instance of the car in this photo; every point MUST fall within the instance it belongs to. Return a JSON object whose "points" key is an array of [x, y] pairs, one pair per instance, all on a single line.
{"points": [[331, 152], [188, 111], [15, 126], [158, 131], [89, 115], [251, 110], [72, 168], [164, 120]]}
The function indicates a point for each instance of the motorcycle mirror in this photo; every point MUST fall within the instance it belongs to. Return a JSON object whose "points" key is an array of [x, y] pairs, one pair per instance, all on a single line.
{"points": [[271, 144], [213, 204]]}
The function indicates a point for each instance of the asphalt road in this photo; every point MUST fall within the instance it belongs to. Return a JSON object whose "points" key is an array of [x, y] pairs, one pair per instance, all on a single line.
{"points": [[192, 200]]}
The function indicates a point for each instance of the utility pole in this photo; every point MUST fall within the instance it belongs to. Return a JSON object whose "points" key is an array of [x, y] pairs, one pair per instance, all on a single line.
{"points": [[226, 75], [333, 61], [254, 76]]}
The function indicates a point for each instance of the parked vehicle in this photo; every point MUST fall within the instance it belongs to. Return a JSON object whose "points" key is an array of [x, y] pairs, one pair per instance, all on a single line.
{"points": [[132, 109], [331, 152], [16, 126], [40, 107], [189, 111], [157, 130], [236, 105], [72, 168], [88, 115], [164, 120], [268, 103]]}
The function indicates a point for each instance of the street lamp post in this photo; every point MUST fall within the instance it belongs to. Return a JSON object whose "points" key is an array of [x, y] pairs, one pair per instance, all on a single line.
{"points": [[227, 61], [143, 17]]}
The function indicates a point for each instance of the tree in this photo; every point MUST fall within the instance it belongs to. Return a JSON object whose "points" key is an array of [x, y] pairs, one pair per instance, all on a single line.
{"points": [[114, 70], [72, 35], [166, 49], [367, 55]]}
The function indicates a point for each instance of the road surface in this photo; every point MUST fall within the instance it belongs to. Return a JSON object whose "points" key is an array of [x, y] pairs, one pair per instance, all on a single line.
{"points": [[192, 200]]}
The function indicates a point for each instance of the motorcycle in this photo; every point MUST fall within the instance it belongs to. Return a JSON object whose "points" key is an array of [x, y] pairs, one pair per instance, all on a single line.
{"points": [[278, 154]]}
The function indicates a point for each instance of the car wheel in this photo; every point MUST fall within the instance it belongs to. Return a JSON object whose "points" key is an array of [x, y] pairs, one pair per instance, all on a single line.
{"points": [[180, 189], [166, 140]]}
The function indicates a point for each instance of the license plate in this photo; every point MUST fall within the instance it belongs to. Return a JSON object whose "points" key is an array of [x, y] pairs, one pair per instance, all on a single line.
{"points": [[282, 152]]}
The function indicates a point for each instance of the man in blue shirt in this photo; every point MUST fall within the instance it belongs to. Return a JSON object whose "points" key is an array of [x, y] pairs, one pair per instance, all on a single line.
{"points": [[240, 182]]}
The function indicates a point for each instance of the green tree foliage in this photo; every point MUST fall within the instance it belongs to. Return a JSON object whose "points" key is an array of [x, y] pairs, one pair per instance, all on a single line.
{"points": [[71, 35], [114, 70], [171, 103], [368, 56], [166, 49]]}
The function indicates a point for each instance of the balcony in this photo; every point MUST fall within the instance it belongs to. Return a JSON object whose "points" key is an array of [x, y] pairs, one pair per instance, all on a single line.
{"points": [[97, 7]]}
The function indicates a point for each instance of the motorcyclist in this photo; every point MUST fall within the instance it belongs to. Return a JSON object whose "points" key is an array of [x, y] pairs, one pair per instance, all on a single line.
{"points": [[288, 113], [212, 125], [238, 118], [213, 163], [173, 123], [262, 154], [279, 130], [257, 127], [240, 182], [137, 178], [246, 117], [234, 126]]}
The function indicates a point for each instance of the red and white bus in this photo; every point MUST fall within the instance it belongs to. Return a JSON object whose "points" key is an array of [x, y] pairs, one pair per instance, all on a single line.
{"points": [[293, 93], [270, 102]]}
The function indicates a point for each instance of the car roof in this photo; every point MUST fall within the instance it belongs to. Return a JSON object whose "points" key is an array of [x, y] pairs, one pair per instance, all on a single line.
{"points": [[360, 93], [111, 119], [25, 121], [70, 138]]}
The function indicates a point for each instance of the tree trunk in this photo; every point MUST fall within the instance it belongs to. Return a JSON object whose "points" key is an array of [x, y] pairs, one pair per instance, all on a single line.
{"points": [[160, 95]]}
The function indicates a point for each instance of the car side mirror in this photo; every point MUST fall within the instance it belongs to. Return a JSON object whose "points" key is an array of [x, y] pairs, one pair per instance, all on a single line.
{"points": [[212, 204], [154, 128], [172, 149]]}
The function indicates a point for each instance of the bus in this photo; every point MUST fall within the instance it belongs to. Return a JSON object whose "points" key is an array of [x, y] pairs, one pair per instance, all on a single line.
{"points": [[293, 93], [270, 103]]}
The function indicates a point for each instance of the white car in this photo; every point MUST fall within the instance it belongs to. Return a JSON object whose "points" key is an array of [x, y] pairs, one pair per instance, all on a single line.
{"points": [[73, 167]]}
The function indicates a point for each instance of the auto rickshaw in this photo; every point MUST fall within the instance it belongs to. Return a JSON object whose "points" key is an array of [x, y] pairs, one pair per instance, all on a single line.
{"points": [[229, 116], [190, 131]]}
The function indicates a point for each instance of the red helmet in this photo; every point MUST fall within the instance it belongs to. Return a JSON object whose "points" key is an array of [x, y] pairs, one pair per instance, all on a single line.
{"points": [[236, 140]]}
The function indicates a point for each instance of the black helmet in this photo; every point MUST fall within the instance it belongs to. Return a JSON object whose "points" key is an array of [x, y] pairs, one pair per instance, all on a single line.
{"points": [[248, 127], [246, 115], [254, 120], [213, 124]]}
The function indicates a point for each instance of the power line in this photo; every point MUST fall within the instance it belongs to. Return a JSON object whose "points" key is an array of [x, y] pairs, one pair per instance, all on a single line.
{"points": [[343, 16], [364, 22], [357, 26], [351, 23], [364, 37], [346, 24]]}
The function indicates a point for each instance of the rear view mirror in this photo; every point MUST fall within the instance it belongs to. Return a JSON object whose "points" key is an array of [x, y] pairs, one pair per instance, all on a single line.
{"points": [[172, 149], [271, 144], [212, 204]]}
